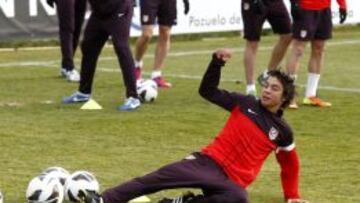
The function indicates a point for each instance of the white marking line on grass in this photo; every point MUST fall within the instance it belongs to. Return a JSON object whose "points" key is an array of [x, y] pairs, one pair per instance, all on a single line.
{"points": [[51, 63], [171, 54], [197, 77]]}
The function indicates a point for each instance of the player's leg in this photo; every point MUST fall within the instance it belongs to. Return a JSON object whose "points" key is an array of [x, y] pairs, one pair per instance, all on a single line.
{"points": [[161, 51], [249, 63], [303, 32], [314, 69], [66, 16], [293, 62], [195, 171], [141, 47], [280, 22], [167, 17], [119, 29], [252, 30], [94, 39], [323, 33], [148, 13], [80, 10]]}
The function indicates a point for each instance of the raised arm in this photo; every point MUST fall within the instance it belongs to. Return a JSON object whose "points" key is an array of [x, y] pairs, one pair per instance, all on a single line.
{"points": [[210, 82]]}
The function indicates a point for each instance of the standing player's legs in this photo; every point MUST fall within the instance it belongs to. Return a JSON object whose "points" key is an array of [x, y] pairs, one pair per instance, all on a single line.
{"points": [[141, 47], [119, 29], [314, 67], [80, 10], [167, 17], [323, 33], [280, 22], [94, 39], [148, 13], [161, 51], [66, 14], [293, 63], [201, 172], [252, 30], [249, 63], [279, 51]]}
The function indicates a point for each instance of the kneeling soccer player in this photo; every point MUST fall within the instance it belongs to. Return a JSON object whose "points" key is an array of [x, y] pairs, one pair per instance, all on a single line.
{"points": [[227, 166]]}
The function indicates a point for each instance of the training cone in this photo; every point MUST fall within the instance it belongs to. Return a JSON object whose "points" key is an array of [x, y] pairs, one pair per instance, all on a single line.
{"points": [[140, 199], [91, 105]]}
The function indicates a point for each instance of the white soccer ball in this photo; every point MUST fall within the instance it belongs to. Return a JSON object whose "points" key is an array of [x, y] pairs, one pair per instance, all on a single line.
{"points": [[1, 197], [57, 172], [80, 181], [45, 189], [147, 91]]}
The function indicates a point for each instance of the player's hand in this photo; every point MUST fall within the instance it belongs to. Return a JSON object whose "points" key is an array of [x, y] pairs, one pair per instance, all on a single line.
{"points": [[223, 54], [186, 6], [258, 7], [343, 15], [51, 3], [295, 9], [297, 201]]}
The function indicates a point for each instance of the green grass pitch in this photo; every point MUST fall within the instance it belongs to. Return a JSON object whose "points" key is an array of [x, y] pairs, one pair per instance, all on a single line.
{"points": [[37, 131]]}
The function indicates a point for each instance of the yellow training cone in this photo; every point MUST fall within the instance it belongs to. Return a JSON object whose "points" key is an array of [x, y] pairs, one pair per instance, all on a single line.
{"points": [[140, 199], [91, 105]]}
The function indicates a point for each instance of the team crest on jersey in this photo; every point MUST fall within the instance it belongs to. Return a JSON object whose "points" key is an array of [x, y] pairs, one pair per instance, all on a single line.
{"points": [[246, 6], [303, 33], [145, 18], [273, 133]]}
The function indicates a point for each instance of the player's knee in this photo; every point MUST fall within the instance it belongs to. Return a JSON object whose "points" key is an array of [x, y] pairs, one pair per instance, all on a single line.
{"points": [[318, 49], [146, 36]]}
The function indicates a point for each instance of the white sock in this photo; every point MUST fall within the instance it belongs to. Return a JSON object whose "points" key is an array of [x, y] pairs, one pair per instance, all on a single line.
{"points": [[138, 64], [312, 84], [250, 89], [155, 74]]}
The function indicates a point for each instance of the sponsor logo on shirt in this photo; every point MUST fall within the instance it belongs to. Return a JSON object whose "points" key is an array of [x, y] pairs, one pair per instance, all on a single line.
{"points": [[252, 112], [273, 133]]}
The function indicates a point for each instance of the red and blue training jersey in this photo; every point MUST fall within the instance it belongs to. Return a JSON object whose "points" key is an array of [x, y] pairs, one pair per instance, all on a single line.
{"points": [[250, 134]]}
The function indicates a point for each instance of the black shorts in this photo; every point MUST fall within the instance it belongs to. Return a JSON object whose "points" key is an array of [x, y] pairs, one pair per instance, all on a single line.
{"points": [[276, 14], [313, 25], [164, 11]]}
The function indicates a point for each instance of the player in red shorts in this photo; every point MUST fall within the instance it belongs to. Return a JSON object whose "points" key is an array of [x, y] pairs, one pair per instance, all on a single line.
{"points": [[312, 23]]}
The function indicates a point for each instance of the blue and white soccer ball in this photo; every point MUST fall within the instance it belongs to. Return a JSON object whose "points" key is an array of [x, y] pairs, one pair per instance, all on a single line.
{"points": [[45, 189], [147, 90], [57, 172], [80, 181]]}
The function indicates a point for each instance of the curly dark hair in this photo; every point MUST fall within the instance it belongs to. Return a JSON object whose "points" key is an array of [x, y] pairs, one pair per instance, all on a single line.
{"points": [[288, 84]]}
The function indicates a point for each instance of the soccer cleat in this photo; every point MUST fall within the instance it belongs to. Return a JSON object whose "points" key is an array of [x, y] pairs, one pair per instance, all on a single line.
{"points": [[188, 197], [70, 75], [130, 104], [161, 82], [77, 97], [293, 104], [89, 196], [315, 101], [137, 73]]}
